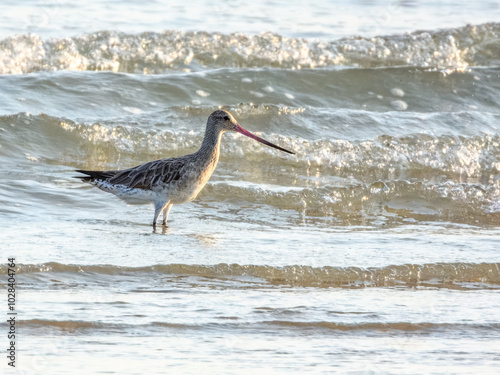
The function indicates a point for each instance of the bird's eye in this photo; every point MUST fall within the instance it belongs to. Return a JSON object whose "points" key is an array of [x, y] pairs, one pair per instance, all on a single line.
{"points": [[226, 118]]}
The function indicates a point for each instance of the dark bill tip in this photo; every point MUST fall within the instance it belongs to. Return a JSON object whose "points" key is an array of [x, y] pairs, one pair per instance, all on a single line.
{"points": [[239, 129]]}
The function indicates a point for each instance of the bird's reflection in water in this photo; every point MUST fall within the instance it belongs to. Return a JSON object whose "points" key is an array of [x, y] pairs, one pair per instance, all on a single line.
{"points": [[161, 229], [207, 239]]}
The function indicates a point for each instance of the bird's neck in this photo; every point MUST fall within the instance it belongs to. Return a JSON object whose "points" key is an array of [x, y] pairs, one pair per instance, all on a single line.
{"points": [[210, 147]]}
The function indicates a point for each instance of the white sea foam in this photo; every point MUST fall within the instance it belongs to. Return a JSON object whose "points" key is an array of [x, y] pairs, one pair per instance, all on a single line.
{"points": [[447, 50]]}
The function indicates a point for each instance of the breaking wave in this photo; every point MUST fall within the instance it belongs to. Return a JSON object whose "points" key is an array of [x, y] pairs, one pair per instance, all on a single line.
{"points": [[447, 275], [150, 52], [88, 327]]}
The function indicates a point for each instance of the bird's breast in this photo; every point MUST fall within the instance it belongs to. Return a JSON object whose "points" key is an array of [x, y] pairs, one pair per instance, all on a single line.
{"points": [[191, 183]]}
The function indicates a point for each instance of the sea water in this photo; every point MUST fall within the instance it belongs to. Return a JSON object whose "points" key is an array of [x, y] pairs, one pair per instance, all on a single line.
{"points": [[373, 249]]}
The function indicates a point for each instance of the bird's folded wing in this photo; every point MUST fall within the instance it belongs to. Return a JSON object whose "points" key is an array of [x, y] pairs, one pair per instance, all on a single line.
{"points": [[148, 175]]}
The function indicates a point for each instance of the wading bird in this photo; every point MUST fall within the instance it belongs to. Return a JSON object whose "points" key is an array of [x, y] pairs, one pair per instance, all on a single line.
{"points": [[166, 182]]}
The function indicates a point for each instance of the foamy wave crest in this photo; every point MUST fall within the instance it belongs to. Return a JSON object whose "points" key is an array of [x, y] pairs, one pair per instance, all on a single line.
{"points": [[452, 50], [417, 156]]}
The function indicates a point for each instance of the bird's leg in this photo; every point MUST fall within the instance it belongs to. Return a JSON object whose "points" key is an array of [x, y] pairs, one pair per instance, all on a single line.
{"points": [[166, 210], [159, 205]]}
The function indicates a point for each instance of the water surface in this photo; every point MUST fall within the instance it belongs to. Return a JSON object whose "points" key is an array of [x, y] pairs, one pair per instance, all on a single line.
{"points": [[373, 249]]}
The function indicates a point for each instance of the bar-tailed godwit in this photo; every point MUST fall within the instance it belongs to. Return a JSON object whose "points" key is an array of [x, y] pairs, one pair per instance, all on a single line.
{"points": [[166, 182]]}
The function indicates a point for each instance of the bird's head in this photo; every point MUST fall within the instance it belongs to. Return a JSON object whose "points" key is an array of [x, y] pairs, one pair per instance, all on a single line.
{"points": [[220, 121]]}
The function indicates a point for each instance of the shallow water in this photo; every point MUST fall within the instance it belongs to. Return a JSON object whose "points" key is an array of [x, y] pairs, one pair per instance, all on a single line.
{"points": [[373, 249]]}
